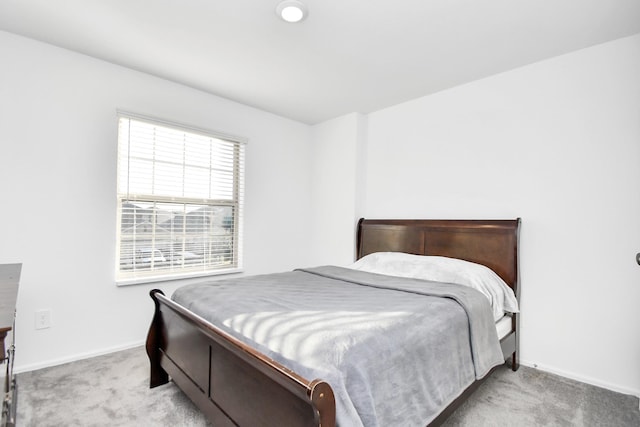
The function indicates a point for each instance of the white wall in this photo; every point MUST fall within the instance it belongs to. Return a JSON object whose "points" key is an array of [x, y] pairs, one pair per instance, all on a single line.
{"points": [[558, 144], [58, 145], [337, 173]]}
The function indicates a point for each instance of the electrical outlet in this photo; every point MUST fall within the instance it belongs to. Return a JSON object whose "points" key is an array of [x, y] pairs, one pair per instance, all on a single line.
{"points": [[43, 319]]}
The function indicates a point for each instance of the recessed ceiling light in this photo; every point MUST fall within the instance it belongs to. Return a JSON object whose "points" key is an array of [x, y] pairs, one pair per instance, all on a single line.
{"points": [[291, 10]]}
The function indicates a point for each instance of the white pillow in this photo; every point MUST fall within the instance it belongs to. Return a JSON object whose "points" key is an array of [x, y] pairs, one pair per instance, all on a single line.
{"points": [[443, 269]]}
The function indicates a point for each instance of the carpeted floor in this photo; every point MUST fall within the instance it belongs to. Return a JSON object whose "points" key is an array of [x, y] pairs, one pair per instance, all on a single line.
{"points": [[112, 390]]}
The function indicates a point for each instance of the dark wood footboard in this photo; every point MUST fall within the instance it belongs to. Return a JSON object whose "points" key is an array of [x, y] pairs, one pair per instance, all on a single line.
{"points": [[232, 383]]}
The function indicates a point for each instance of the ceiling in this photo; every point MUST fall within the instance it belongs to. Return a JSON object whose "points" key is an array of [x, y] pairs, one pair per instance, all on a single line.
{"points": [[347, 56]]}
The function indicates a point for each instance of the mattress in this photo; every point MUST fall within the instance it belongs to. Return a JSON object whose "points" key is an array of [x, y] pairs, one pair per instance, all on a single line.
{"points": [[503, 326]]}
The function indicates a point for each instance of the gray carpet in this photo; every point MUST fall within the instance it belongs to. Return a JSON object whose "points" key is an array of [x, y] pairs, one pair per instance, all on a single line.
{"points": [[112, 390]]}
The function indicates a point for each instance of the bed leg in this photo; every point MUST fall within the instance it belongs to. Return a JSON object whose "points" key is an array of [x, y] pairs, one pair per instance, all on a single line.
{"points": [[515, 326], [158, 375], [515, 363]]}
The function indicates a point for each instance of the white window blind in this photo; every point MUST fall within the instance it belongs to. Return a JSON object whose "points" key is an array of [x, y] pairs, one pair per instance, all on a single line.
{"points": [[180, 194]]}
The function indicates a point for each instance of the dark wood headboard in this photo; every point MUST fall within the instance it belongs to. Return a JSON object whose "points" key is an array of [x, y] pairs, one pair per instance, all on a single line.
{"points": [[493, 243]]}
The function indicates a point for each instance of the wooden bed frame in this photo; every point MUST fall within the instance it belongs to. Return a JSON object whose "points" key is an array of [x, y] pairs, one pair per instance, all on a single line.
{"points": [[235, 385]]}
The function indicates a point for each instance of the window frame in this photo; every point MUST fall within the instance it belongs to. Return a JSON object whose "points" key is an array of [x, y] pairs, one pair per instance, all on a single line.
{"points": [[236, 203]]}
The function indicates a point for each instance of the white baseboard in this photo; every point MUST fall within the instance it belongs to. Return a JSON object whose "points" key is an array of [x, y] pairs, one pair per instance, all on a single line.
{"points": [[584, 379], [54, 362]]}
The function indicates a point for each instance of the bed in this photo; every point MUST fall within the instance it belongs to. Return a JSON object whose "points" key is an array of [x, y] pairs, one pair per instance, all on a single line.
{"points": [[235, 380]]}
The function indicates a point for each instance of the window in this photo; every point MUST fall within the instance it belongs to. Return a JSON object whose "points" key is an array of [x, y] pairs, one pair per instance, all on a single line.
{"points": [[180, 194]]}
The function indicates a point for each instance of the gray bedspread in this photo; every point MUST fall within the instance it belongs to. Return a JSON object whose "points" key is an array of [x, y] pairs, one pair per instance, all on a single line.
{"points": [[396, 351]]}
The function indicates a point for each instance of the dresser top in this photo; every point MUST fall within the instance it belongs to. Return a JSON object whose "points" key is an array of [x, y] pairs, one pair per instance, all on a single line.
{"points": [[9, 279]]}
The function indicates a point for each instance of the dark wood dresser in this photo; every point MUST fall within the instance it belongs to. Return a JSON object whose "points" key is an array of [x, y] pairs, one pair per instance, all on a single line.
{"points": [[9, 279]]}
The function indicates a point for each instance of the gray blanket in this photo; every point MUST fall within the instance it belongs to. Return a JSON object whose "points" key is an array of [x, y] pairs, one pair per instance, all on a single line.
{"points": [[396, 351]]}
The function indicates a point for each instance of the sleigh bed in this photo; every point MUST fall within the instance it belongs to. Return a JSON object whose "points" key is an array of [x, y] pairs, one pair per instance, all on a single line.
{"points": [[238, 380]]}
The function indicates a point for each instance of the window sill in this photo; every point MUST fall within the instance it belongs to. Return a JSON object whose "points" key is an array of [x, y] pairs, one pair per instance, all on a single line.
{"points": [[178, 276]]}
